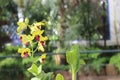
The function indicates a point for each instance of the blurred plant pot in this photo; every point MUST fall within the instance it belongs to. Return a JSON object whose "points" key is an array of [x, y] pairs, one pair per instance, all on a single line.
{"points": [[60, 59], [111, 70], [91, 71], [102, 71], [87, 71]]}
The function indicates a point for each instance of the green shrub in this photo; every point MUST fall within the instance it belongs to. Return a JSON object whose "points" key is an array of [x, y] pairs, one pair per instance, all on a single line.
{"points": [[11, 69]]}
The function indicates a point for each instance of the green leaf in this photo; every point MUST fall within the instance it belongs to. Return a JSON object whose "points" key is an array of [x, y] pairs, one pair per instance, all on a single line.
{"points": [[45, 76], [48, 76], [59, 77], [35, 78], [26, 20], [33, 69], [93, 55], [73, 58], [82, 62], [39, 69]]}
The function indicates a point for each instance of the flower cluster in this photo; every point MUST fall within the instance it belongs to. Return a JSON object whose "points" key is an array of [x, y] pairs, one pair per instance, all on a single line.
{"points": [[33, 36]]}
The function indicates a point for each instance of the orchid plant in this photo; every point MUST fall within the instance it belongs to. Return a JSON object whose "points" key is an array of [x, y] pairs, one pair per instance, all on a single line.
{"points": [[33, 41]]}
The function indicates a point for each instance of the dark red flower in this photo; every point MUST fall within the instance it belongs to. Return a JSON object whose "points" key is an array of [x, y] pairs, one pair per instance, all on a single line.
{"points": [[21, 38], [43, 43], [38, 27], [27, 43], [37, 38], [25, 54], [43, 60]]}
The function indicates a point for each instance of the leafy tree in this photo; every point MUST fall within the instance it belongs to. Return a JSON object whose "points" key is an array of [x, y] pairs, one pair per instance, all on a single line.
{"points": [[83, 20]]}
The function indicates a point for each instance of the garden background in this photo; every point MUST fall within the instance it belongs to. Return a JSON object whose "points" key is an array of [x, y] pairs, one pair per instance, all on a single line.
{"points": [[82, 22]]}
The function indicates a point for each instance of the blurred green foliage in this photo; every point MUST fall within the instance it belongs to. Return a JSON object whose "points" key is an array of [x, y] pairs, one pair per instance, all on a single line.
{"points": [[81, 22], [115, 60], [11, 69], [35, 11], [93, 60], [8, 12], [8, 16]]}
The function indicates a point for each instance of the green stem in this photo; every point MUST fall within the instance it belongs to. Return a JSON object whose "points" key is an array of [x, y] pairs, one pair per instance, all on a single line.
{"points": [[31, 49], [32, 52], [35, 50], [73, 75]]}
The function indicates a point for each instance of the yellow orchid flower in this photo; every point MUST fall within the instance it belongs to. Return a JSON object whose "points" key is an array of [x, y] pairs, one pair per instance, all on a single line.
{"points": [[41, 43], [39, 24], [43, 38], [24, 52], [26, 39], [35, 31], [22, 25], [40, 47], [42, 58], [38, 35]]}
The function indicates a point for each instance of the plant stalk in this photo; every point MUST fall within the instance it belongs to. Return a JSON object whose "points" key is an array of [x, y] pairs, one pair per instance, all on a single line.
{"points": [[73, 75]]}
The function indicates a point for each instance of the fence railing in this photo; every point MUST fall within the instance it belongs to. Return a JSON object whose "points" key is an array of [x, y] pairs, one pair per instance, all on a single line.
{"points": [[81, 51]]}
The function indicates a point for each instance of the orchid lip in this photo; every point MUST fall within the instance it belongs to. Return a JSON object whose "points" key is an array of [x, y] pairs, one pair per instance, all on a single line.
{"points": [[25, 54], [37, 38]]}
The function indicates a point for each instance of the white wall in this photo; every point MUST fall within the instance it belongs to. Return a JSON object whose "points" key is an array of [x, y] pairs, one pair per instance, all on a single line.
{"points": [[114, 22]]}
